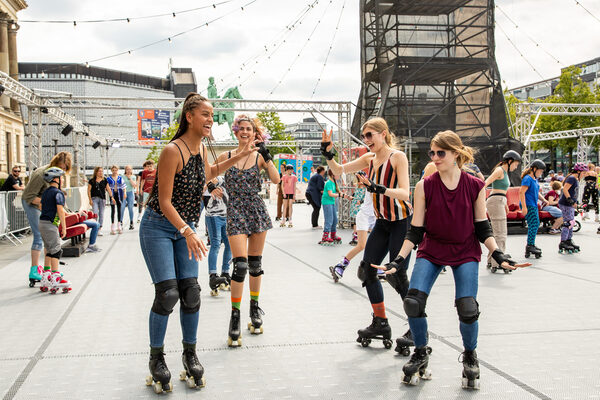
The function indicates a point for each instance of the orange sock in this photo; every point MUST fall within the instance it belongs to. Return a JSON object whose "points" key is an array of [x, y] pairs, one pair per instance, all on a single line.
{"points": [[379, 310]]}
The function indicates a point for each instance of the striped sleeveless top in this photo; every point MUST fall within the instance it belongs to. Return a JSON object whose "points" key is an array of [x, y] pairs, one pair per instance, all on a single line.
{"points": [[386, 207]]}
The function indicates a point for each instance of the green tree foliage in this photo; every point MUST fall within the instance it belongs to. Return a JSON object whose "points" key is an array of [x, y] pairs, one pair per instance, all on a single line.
{"points": [[511, 105], [570, 89], [272, 122], [157, 148]]}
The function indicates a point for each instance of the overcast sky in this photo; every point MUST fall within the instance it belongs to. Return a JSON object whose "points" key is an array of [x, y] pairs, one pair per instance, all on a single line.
{"points": [[560, 27]]}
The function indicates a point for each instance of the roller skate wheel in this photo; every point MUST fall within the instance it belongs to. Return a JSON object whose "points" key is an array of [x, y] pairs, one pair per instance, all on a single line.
{"points": [[157, 386], [405, 352], [66, 290], [229, 342], [429, 350], [387, 344], [31, 284], [214, 292], [425, 374], [43, 289], [149, 380], [470, 384], [191, 383], [52, 291], [494, 270], [507, 271], [411, 380], [365, 342], [182, 375]]}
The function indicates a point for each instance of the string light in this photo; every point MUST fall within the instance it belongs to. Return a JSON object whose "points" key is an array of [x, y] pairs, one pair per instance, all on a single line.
{"points": [[587, 11], [519, 51]]}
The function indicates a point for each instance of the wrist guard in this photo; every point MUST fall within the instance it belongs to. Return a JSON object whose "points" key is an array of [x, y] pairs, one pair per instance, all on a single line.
{"points": [[375, 188], [264, 152], [328, 154], [500, 257], [415, 234], [210, 186], [483, 230], [395, 264], [570, 201]]}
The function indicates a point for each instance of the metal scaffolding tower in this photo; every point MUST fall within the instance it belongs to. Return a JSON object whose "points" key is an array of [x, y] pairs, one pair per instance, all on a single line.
{"points": [[429, 66]]}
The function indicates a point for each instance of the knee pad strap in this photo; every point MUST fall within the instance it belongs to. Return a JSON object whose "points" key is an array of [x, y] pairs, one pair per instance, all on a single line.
{"points": [[255, 266], [414, 303], [467, 309], [189, 294], [165, 297], [240, 269], [56, 255]]}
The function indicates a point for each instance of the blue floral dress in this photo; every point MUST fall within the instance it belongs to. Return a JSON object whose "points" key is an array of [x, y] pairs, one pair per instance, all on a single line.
{"points": [[246, 211]]}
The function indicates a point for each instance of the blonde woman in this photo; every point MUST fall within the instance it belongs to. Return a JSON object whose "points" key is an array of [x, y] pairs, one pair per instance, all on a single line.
{"points": [[130, 194]]}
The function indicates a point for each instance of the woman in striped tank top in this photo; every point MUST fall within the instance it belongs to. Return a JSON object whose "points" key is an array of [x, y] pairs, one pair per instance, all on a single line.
{"points": [[388, 184]]}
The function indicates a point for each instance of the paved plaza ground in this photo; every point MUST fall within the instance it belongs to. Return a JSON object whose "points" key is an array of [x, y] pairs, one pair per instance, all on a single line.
{"points": [[539, 328]]}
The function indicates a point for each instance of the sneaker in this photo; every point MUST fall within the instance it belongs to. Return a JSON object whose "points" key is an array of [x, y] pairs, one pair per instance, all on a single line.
{"points": [[317, 227], [100, 233], [553, 231], [131, 226], [92, 249]]}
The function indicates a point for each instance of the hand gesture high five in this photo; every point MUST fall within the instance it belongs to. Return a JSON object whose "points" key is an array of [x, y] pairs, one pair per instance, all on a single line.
{"points": [[326, 145]]}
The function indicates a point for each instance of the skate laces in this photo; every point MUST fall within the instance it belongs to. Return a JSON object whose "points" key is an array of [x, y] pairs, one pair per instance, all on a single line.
{"points": [[191, 355], [467, 357], [255, 310]]}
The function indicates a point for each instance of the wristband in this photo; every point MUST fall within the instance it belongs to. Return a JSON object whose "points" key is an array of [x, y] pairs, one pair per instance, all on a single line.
{"points": [[394, 264], [376, 188], [328, 154], [210, 186]]}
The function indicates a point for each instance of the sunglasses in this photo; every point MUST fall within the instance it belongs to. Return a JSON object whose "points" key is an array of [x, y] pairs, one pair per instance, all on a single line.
{"points": [[440, 154], [16, 170], [368, 135]]}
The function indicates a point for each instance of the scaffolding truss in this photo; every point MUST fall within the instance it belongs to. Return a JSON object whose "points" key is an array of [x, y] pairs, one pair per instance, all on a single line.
{"points": [[429, 66]]}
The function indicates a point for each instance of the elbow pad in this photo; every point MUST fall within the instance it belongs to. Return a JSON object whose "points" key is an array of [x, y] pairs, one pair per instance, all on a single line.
{"points": [[483, 230], [415, 234]]}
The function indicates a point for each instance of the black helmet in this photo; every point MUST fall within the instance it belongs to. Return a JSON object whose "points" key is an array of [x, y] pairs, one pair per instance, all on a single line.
{"points": [[53, 172], [511, 155], [538, 164]]}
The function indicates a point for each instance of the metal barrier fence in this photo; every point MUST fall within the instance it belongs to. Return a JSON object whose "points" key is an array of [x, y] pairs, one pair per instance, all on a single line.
{"points": [[12, 216]]}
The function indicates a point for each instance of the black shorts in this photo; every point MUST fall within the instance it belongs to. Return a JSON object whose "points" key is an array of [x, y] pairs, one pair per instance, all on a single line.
{"points": [[288, 196]]}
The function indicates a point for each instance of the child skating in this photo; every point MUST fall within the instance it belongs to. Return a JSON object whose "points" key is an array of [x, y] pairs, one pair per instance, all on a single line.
{"points": [[288, 184], [330, 193], [566, 203], [53, 214], [216, 223]]}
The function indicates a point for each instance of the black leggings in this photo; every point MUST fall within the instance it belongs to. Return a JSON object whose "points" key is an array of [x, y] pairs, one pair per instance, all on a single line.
{"points": [[112, 210], [316, 209], [590, 191], [386, 237]]}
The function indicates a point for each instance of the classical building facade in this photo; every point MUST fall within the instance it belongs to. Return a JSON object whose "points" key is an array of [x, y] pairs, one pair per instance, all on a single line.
{"points": [[12, 140]]}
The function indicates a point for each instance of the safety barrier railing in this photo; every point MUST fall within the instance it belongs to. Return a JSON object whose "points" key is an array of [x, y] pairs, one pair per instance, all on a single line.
{"points": [[13, 219]]}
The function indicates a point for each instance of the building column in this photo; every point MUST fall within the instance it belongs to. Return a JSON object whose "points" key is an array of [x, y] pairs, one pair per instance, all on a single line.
{"points": [[13, 62], [4, 65]]}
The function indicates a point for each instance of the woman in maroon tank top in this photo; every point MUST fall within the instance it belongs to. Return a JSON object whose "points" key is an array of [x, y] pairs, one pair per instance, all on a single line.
{"points": [[388, 184], [448, 223]]}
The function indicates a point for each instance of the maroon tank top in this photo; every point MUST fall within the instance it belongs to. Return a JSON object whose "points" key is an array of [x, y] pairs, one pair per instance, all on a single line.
{"points": [[449, 221]]}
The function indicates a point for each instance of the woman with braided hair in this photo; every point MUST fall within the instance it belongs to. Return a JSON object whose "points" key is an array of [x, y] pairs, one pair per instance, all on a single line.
{"points": [[448, 223], [247, 220], [169, 242], [388, 184]]}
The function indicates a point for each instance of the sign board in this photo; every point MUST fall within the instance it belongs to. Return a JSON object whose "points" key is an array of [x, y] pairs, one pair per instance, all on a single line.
{"points": [[301, 163], [152, 125]]}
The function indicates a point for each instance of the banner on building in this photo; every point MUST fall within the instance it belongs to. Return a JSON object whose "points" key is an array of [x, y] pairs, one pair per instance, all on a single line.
{"points": [[152, 125]]}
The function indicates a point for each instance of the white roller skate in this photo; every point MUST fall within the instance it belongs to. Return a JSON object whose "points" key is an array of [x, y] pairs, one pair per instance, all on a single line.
{"points": [[45, 281], [57, 282]]}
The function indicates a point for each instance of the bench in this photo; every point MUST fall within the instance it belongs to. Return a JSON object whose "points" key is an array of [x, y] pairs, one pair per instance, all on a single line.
{"points": [[76, 231], [515, 219]]}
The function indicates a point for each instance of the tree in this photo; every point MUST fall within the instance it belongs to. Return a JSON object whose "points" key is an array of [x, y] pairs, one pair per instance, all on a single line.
{"points": [[157, 148], [570, 89], [276, 129]]}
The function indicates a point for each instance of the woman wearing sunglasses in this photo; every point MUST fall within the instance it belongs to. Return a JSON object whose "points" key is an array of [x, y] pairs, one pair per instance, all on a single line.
{"points": [[387, 182], [448, 223]]}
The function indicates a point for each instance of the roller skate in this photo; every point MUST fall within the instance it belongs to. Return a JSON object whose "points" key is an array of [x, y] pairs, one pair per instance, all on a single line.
{"points": [[255, 324], [335, 239], [35, 274], [416, 368], [214, 282], [470, 374], [235, 336], [576, 249], [282, 224], [193, 372], [227, 284], [565, 247], [57, 282], [45, 281], [290, 225], [160, 376], [531, 249], [379, 329], [354, 240], [120, 228], [405, 342], [337, 272], [325, 240]]}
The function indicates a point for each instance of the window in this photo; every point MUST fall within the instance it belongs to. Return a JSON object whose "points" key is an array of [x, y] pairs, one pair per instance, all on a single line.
{"points": [[18, 140]]}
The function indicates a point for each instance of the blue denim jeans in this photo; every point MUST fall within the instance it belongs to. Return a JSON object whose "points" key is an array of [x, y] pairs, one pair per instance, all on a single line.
{"points": [[95, 226], [217, 232], [166, 255], [98, 205], [33, 217], [465, 285], [128, 202], [330, 214]]}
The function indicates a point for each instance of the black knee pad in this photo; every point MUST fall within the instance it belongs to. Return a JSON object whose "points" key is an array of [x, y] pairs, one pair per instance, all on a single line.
{"points": [[255, 266], [366, 273], [165, 297], [240, 269], [56, 255], [414, 303], [566, 224], [189, 294], [399, 281], [467, 309]]}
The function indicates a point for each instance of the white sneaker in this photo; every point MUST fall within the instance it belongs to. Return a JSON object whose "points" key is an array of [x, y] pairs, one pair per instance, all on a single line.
{"points": [[597, 218], [92, 249], [100, 233]]}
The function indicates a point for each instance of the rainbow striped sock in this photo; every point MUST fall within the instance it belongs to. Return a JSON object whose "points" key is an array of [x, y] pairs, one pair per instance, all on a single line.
{"points": [[254, 295], [235, 302]]}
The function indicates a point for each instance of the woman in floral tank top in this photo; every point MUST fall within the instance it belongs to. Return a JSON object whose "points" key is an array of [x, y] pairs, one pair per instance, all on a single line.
{"points": [[169, 242], [247, 221]]}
